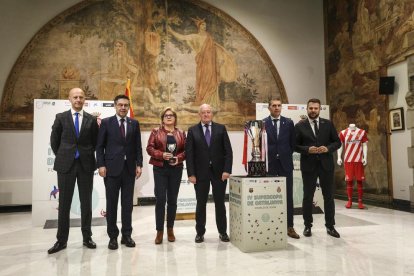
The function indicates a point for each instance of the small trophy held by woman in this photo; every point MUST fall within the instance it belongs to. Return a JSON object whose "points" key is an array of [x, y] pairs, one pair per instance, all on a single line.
{"points": [[171, 148]]}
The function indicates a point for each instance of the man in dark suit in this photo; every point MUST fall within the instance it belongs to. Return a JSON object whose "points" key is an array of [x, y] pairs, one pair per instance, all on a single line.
{"points": [[119, 157], [73, 141], [281, 144], [316, 140], [209, 160]]}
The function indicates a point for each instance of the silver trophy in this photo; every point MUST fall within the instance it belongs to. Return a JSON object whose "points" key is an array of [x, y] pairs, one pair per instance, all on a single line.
{"points": [[171, 148], [256, 166]]}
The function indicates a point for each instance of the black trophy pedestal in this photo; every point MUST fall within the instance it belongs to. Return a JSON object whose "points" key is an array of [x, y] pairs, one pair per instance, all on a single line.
{"points": [[256, 168]]}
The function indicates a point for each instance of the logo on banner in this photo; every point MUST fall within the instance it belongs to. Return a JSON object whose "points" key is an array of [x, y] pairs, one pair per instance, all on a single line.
{"points": [[53, 193], [265, 217], [39, 104], [108, 104], [54, 202]]}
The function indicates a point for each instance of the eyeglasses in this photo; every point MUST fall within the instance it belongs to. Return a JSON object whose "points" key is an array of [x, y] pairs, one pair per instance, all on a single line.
{"points": [[168, 115]]}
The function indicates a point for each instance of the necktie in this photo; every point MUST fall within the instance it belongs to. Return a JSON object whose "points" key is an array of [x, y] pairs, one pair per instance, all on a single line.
{"points": [[77, 132], [207, 135], [275, 124], [315, 123], [122, 127]]}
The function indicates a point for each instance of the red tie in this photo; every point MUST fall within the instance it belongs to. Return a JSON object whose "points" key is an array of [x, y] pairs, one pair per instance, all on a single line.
{"points": [[122, 128]]}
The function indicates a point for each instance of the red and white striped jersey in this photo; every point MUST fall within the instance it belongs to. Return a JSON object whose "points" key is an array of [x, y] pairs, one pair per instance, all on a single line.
{"points": [[352, 141]]}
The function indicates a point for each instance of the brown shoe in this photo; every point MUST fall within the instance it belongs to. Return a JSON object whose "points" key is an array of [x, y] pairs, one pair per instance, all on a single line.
{"points": [[158, 238], [170, 233], [292, 233]]}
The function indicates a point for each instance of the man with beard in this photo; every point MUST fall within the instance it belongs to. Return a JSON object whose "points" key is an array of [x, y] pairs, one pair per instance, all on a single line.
{"points": [[316, 140]]}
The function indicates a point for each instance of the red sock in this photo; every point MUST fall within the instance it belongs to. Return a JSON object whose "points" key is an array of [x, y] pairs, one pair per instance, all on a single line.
{"points": [[360, 193], [349, 188]]}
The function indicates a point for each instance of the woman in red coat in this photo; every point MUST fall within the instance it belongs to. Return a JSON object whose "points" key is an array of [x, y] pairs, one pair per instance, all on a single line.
{"points": [[166, 146]]}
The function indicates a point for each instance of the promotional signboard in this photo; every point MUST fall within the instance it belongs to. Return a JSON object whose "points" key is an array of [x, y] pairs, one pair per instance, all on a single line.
{"points": [[45, 196]]}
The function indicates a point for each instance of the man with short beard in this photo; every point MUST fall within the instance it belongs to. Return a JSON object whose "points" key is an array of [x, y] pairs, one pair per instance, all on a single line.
{"points": [[316, 140]]}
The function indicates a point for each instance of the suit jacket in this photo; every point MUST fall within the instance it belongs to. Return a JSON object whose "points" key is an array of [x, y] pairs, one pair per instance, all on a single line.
{"points": [[284, 145], [305, 138], [64, 142], [112, 148], [199, 155]]}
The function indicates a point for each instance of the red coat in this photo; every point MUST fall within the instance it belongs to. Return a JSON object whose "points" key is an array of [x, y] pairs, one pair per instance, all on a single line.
{"points": [[157, 144]]}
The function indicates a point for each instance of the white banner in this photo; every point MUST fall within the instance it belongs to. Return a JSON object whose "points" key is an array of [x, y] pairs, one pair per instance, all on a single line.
{"points": [[45, 196], [295, 112], [186, 201]]}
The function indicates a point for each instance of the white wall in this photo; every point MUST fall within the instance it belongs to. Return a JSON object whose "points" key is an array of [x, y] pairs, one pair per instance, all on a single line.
{"points": [[290, 31], [402, 175]]}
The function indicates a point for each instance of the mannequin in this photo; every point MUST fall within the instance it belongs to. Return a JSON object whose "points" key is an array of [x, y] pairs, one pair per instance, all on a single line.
{"points": [[355, 141]]}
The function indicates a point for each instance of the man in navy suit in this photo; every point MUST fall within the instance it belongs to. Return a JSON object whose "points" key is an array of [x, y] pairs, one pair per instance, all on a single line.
{"points": [[209, 159], [281, 144], [119, 157], [73, 141], [316, 141]]}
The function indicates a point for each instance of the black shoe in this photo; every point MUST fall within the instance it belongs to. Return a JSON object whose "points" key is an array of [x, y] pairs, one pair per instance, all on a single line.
{"points": [[307, 232], [199, 238], [224, 237], [128, 241], [332, 232], [57, 247], [89, 243], [113, 244]]}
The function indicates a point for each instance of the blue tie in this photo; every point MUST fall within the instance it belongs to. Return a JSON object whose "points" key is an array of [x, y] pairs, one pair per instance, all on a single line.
{"points": [[77, 132], [207, 135]]}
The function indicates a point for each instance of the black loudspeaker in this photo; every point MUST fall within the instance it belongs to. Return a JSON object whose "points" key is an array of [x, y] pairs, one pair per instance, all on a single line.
{"points": [[386, 85]]}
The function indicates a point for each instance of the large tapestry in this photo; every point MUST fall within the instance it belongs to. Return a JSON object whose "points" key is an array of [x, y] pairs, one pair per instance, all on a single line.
{"points": [[363, 38], [176, 53]]}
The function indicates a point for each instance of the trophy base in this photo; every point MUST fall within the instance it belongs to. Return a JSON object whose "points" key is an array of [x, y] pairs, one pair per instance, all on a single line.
{"points": [[256, 168]]}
